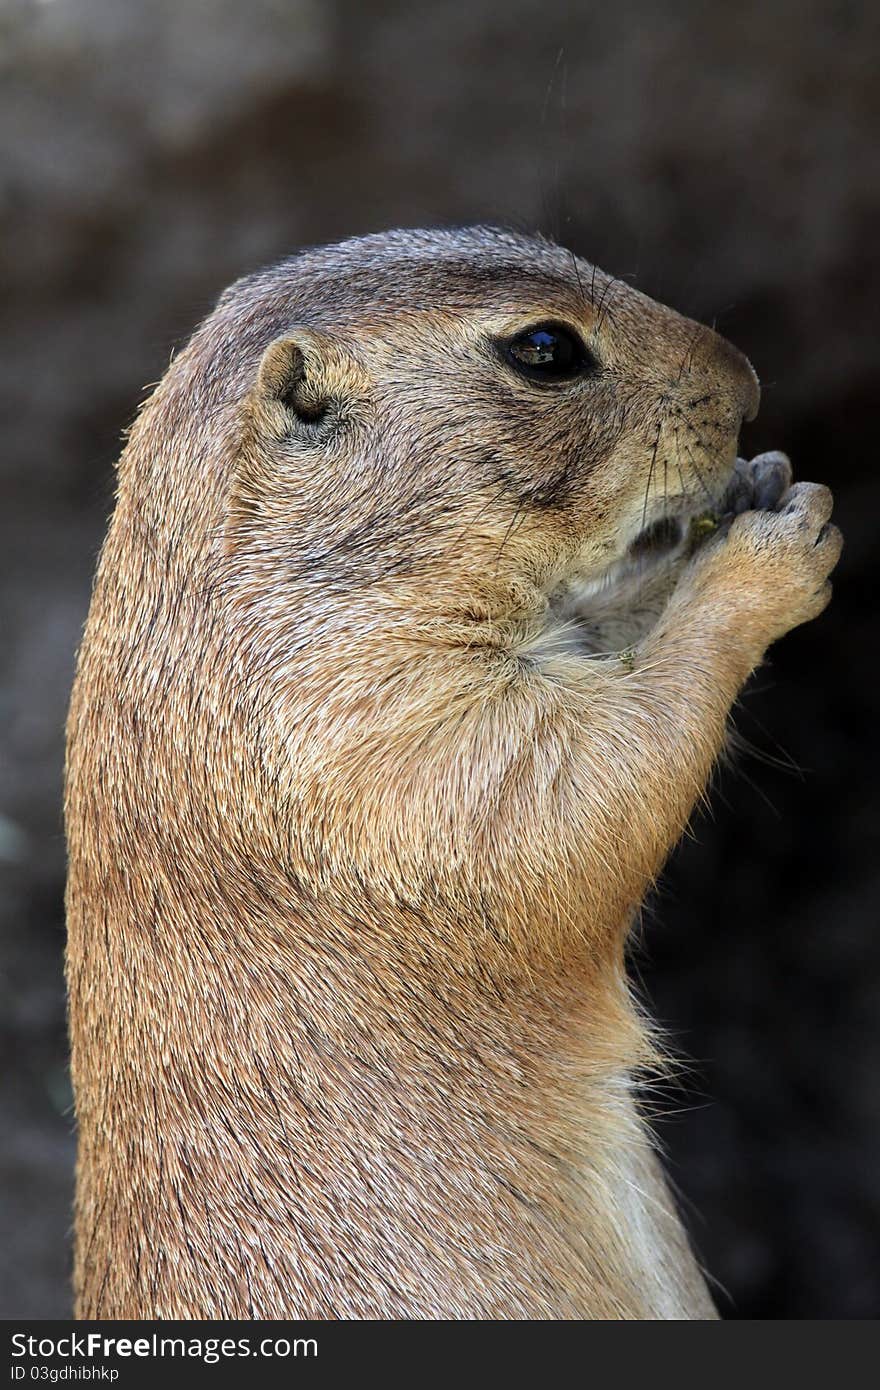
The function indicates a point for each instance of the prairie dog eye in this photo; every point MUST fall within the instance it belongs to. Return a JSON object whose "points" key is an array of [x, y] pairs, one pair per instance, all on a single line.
{"points": [[549, 352]]}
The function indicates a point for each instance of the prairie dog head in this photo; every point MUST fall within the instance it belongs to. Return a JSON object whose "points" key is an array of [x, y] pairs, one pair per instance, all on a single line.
{"points": [[474, 406], [473, 414]]}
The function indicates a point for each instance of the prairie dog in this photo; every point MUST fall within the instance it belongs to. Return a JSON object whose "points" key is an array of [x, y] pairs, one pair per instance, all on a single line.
{"points": [[401, 678]]}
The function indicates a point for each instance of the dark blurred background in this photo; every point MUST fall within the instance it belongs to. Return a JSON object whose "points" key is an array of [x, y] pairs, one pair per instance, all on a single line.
{"points": [[726, 158]]}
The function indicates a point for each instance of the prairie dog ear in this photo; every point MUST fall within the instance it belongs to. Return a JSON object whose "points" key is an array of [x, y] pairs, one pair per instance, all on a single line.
{"points": [[301, 382], [282, 371]]}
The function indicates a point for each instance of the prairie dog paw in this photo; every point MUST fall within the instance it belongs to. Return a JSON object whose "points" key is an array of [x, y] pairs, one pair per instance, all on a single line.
{"points": [[757, 484], [773, 562]]}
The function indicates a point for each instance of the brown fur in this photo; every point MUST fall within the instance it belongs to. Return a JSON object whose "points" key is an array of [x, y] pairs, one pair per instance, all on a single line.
{"points": [[357, 830]]}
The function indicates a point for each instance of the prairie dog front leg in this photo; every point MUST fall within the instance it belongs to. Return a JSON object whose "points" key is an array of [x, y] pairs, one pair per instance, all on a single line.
{"points": [[639, 741]]}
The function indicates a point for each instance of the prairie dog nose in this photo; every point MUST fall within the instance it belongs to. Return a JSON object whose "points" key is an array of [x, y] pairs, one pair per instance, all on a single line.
{"points": [[735, 371]]}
